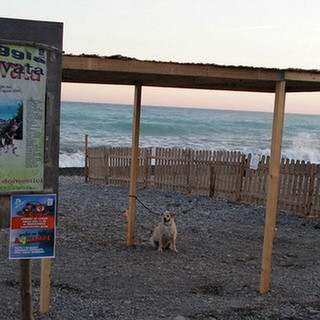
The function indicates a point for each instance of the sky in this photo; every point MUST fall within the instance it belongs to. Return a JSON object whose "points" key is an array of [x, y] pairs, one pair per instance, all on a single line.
{"points": [[273, 33]]}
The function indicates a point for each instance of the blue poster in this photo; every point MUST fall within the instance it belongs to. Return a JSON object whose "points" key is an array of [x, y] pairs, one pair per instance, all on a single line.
{"points": [[33, 226]]}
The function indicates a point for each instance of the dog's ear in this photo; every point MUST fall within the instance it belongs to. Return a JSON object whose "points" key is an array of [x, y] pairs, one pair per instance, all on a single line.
{"points": [[172, 214]]}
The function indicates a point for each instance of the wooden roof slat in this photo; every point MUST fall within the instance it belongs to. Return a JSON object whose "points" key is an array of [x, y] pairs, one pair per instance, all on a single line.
{"points": [[305, 76], [110, 70]]}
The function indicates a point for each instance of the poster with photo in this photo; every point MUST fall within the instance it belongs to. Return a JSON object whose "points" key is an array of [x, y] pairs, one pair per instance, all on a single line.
{"points": [[22, 117], [33, 226]]}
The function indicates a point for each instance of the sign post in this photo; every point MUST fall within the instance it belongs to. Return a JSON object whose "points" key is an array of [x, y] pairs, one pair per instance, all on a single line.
{"points": [[26, 290], [30, 84]]}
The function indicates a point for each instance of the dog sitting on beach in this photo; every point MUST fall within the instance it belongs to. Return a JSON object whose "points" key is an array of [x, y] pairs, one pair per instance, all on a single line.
{"points": [[164, 235]]}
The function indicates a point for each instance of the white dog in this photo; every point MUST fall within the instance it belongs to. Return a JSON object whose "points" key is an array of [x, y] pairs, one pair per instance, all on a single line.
{"points": [[164, 235]]}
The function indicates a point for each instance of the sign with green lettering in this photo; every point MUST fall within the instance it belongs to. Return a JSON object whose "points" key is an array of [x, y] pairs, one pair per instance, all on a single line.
{"points": [[22, 117]]}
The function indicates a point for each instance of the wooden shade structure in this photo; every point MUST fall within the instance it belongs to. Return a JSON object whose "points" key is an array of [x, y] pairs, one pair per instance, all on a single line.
{"points": [[128, 71]]}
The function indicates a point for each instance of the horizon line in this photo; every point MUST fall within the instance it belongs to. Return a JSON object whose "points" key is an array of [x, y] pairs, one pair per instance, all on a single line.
{"points": [[187, 107]]}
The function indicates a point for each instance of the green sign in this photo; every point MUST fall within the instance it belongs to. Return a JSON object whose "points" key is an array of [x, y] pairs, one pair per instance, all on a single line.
{"points": [[23, 72]]}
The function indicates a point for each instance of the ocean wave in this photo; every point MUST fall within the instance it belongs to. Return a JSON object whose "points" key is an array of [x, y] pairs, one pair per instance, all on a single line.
{"points": [[198, 129], [303, 146], [72, 159]]}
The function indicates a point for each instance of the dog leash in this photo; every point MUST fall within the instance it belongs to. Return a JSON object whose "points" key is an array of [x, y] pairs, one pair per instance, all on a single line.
{"points": [[130, 195]]}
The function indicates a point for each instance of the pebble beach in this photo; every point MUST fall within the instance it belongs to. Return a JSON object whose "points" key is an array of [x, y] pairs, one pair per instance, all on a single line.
{"points": [[215, 274]]}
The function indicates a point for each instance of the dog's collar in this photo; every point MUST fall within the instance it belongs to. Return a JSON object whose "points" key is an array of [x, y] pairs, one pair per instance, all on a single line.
{"points": [[168, 223]]}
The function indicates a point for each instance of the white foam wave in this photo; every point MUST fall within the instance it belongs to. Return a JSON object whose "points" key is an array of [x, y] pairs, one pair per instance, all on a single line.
{"points": [[304, 146], [71, 159]]}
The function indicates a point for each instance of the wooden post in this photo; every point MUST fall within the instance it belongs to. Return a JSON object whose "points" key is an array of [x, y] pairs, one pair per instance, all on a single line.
{"points": [[190, 180], [310, 191], [273, 186], [239, 180], [107, 170], [147, 167], [86, 159], [212, 185], [4, 211], [134, 166], [45, 285], [26, 290]]}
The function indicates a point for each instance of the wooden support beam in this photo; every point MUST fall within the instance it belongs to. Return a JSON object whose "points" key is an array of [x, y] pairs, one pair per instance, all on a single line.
{"points": [[45, 285], [104, 64], [134, 166], [127, 71], [26, 290], [273, 185]]}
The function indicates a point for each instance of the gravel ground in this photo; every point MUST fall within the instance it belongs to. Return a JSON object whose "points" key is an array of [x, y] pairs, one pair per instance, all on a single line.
{"points": [[215, 275]]}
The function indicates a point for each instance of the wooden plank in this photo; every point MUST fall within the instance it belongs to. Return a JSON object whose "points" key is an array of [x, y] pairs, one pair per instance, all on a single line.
{"points": [[223, 173], [45, 285], [309, 76], [255, 173], [244, 189], [175, 168], [291, 195], [161, 167], [266, 174], [286, 177], [146, 157], [100, 162], [239, 181], [246, 179], [218, 173], [86, 158], [107, 163], [212, 181], [190, 177], [134, 164], [230, 160], [164, 173], [234, 174], [310, 203], [4, 212], [305, 185], [316, 206], [263, 179], [158, 168], [299, 195], [164, 68], [273, 186], [195, 176], [256, 192], [26, 290]]}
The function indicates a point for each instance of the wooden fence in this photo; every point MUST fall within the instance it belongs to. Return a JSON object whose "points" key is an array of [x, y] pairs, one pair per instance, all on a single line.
{"points": [[221, 174]]}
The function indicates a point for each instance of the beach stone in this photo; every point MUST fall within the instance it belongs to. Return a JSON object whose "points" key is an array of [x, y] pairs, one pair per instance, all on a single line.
{"points": [[216, 273], [180, 318]]}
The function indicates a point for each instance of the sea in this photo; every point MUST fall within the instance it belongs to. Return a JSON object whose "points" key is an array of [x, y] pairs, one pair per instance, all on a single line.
{"points": [[199, 129]]}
